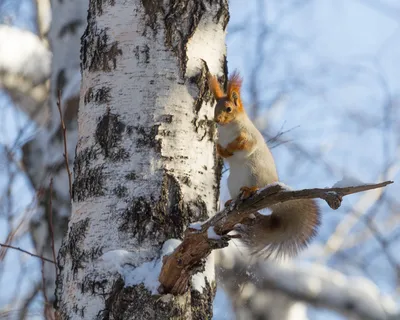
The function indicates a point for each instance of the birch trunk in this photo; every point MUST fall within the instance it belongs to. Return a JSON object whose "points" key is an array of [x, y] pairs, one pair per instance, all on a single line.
{"points": [[145, 164], [43, 156]]}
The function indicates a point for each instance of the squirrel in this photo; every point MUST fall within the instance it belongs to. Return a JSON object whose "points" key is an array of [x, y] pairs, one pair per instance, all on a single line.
{"points": [[292, 224]]}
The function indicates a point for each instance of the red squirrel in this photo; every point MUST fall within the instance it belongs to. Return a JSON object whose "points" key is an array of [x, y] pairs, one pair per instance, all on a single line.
{"points": [[292, 224]]}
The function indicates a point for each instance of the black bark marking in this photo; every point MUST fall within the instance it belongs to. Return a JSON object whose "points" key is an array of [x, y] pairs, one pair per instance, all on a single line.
{"points": [[70, 27], [219, 164], [100, 96], [204, 95], [73, 246], [96, 6], [131, 176], [181, 19], [207, 127], [109, 134], [89, 183], [166, 118], [121, 191], [93, 286], [222, 14], [202, 302], [186, 180], [116, 289], [96, 53], [165, 218], [142, 54], [136, 217], [147, 137], [127, 302]]}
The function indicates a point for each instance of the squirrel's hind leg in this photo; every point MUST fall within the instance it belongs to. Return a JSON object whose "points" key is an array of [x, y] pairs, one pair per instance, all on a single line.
{"points": [[245, 192]]}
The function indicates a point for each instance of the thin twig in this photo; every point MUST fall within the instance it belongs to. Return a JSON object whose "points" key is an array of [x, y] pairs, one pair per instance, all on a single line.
{"points": [[27, 252], [51, 222], [47, 311], [64, 132], [46, 300], [179, 266]]}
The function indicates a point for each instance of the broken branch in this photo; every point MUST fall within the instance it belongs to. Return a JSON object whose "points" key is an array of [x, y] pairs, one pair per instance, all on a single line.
{"points": [[179, 266]]}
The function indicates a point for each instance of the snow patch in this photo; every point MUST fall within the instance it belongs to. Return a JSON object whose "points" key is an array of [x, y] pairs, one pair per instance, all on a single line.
{"points": [[348, 182], [169, 246], [115, 259], [196, 225], [199, 279], [147, 273], [281, 184], [212, 235], [265, 212]]}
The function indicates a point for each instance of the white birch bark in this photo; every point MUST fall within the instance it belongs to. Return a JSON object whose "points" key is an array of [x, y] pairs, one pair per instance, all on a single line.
{"points": [[145, 163]]}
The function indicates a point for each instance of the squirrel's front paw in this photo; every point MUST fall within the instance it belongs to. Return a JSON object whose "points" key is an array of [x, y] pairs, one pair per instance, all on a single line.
{"points": [[228, 203], [247, 192], [223, 152]]}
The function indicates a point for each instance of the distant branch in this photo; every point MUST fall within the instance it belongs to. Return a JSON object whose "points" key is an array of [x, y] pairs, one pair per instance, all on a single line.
{"points": [[188, 256], [64, 133], [27, 252], [354, 297]]}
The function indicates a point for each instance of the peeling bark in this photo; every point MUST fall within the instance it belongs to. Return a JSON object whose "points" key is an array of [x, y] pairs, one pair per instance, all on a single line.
{"points": [[145, 164]]}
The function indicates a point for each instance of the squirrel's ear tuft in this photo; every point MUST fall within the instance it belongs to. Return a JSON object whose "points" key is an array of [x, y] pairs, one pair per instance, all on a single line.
{"points": [[215, 87], [234, 85]]}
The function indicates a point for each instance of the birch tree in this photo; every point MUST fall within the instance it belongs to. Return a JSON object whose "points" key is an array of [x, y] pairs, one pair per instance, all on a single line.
{"points": [[43, 156], [145, 164]]}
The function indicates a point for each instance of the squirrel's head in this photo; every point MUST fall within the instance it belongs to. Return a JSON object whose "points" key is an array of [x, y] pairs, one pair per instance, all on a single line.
{"points": [[229, 105]]}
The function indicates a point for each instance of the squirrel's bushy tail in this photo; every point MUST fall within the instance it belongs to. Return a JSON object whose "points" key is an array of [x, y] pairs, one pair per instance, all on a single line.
{"points": [[287, 230]]}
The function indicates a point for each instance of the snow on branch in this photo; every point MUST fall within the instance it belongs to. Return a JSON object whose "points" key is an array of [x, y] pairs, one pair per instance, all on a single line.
{"points": [[197, 244]]}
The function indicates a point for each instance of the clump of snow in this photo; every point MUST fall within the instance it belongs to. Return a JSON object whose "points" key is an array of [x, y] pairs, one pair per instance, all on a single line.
{"points": [[347, 182], [281, 184], [211, 234], [147, 273], [265, 212], [114, 260], [169, 246], [196, 225]]}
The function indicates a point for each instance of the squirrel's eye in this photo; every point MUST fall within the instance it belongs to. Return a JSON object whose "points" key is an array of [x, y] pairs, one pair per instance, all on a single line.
{"points": [[228, 109]]}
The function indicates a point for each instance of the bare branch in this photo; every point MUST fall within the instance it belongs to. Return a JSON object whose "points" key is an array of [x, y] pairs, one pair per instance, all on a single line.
{"points": [[320, 286], [27, 252], [64, 133], [179, 266], [50, 222]]}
